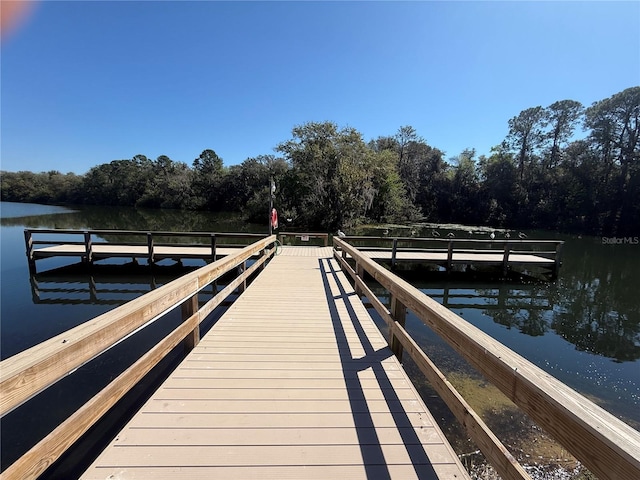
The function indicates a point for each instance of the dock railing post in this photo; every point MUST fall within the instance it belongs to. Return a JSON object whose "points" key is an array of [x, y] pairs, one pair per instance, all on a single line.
{"points": [[450, 256], [93, 289], [29, 244], [88, 248], [557, 260], [360, 274], [188, 308], [213, 247], [263, 253], [150, 247], [394, 252], [505, 259], [242, 269], [399, 313]]}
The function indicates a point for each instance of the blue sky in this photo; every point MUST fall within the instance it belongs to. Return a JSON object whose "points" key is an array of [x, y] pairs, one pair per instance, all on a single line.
{"points": [[84, 83]]}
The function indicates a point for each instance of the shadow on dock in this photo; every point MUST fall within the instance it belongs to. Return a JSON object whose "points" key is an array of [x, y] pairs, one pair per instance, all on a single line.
{"points": [[374, 461]]}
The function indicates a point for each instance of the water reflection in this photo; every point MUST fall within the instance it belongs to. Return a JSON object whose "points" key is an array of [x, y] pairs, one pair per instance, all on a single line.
{"points": [[593, 304], [599, 307], [100, 285], [583, 329], [123, 218]]}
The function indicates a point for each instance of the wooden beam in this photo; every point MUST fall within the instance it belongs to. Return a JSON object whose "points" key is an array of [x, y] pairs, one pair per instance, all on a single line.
{"points": [[394, 253], [88, 248], [29, 372], [399, 314], [505, 259], [28, 240], [213, 247], [150, 256], [496, 453], [33, 463], [208, 307], [190, 307]]}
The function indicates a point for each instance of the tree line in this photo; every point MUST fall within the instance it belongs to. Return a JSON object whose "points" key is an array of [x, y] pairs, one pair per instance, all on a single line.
{"points": [[542, 175]]}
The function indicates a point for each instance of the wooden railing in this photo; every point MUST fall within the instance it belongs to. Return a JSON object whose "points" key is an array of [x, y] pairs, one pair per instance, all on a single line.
{"points": [[304, 237], [606, 445], [33, 370], [551, 249], [148, 239]]}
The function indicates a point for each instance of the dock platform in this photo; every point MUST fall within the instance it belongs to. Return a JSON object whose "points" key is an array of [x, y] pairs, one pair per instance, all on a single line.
{"points": [[294, 381]]}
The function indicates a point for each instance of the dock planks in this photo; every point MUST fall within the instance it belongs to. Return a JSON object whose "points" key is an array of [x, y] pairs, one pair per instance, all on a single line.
{"points": [[294, 381]]}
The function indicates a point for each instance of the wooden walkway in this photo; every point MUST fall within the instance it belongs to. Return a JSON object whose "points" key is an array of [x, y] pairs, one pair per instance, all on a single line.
{"points": [[294, 381]]}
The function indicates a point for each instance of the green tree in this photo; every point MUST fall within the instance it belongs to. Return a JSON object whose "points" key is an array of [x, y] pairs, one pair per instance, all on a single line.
{"points": [[500, 186], [333, 175], [120, 182], [169, 185], [207, 177], [431, 199], [615, 132], [465, 203], [526, 136], [562, 116]]}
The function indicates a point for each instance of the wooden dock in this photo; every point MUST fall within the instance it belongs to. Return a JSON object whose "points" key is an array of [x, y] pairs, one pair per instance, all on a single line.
{"points": [[448, 253], [94, 245], [442, 253], [295, 381], [300, 385]]}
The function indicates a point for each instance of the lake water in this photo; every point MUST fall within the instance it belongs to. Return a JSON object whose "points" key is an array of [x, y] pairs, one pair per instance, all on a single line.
{"points": [[583, 328]]}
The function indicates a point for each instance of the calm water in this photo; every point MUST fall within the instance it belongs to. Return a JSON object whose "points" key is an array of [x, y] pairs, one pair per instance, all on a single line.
{"points": [[583, 328]]}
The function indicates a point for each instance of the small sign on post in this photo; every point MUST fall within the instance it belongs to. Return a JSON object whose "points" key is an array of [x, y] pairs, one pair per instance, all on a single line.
{"points": [[304, 238]]}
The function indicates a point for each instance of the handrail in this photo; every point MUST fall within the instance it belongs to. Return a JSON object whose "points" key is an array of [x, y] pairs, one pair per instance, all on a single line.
{"points": [[453, 246], [49, 361], [159, 233], [27, 373], [149, 240], [607, 446], [496, 241], [322, 236]]}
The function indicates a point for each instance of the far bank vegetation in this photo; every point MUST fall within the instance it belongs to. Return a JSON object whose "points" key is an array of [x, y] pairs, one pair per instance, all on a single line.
{"points": [[542, 175]]}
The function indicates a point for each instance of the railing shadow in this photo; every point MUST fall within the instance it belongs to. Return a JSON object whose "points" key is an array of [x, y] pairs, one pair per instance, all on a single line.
{"points": [[371, 448]]}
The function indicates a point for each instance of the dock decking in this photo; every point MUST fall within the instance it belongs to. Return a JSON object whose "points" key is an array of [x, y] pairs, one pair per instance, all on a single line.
{"points": [[295, 385]]}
